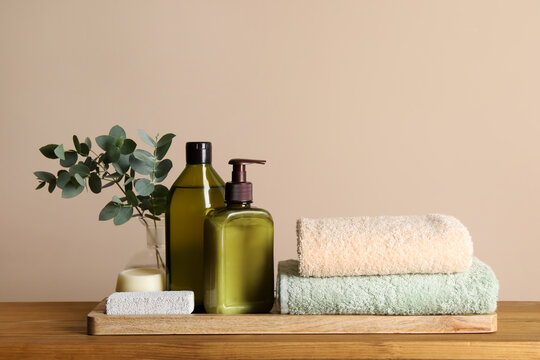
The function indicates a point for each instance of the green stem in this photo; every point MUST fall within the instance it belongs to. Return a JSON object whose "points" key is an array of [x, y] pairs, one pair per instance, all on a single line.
{"points": [[153, 179], [159, 259], [160, 262]]}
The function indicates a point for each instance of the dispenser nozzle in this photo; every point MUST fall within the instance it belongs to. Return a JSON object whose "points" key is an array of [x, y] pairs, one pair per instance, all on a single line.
{"points": [[239, 190], [239, 168]]}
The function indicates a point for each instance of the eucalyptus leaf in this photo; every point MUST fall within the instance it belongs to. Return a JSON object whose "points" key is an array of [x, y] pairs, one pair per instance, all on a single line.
{"points": [[88, 143], [141, 167], [117, 132], [146, 138], [76, 143], [79, 179], [165, 139], [94, 182], [90, 163], [144, 187], [160, 195], [109, 184], [132, 198], [70, 158], [84, 149], [123, 215], [52, 186], [158, 208], [128, 183], [123, 162], [59, 152], [45, 176], [40, 185], [115, 199], [163, 145], [48, 151], [113, 154], [162, 170], [105, 142], [63, 179], [80, 169], [144, 155], [71, 190], [162, 151], [109, 211], [118, 168], [146, 204], [128, 147], [114, 176], [160, 192]]}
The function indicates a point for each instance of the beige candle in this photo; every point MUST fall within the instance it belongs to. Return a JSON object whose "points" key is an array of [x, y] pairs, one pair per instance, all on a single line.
{"points": [[141, 279]]}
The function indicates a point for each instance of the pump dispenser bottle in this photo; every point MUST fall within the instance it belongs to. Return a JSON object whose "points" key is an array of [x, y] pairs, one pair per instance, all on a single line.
{"points": [[239, 251], [197, 189]]}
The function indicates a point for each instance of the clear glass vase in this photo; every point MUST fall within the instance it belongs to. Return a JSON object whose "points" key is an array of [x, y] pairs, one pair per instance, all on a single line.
{"points": [[146, 270]]}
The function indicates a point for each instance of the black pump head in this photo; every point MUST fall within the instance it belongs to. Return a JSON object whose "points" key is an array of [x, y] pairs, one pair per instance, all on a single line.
{"points": [[239, 190]]}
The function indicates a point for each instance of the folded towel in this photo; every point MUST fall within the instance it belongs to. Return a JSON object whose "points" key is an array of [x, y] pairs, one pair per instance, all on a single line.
{"points": [[380, 245], [471, 292], [150, 303]]}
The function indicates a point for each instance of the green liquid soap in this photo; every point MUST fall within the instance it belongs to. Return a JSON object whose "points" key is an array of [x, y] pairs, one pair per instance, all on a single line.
{"points": [[239, 256], [198, 189]]}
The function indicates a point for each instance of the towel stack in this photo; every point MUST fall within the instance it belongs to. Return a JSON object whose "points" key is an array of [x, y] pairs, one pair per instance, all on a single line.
{"points": [[399, 265]]}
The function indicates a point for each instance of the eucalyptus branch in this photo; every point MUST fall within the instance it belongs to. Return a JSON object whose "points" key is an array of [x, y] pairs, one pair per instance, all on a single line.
{"points": [[131, 164]]}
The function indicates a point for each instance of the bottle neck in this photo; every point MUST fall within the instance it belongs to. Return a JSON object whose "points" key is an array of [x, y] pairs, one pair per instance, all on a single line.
{"points": [[199, 166], [198, 175], [239, 205], [198, 171]]}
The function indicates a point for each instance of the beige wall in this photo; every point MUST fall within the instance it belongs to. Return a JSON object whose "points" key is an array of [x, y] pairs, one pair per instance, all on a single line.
{"points": [[360, 108]]}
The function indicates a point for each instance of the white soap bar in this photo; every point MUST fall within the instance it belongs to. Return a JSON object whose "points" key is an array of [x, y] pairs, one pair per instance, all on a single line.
{"points": [[141, 280], [151, 303]]}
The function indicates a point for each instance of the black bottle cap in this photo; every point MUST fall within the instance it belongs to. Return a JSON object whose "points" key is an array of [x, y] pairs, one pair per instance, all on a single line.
{"points": [[199, 152]]}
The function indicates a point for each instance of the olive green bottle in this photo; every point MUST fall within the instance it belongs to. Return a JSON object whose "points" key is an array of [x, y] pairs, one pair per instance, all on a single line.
{"points": [[239, 251], [197, 189]]}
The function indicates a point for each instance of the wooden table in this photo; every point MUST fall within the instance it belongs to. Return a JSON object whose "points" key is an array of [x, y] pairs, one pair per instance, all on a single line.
{"points": [[58, 330]]}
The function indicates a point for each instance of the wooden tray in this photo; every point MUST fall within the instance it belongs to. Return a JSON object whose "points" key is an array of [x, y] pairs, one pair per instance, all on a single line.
{"points": [[101, 324]]}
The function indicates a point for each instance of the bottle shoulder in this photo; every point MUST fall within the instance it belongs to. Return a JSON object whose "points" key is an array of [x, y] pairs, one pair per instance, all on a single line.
{"points": [[198, 175], [227, 214]]}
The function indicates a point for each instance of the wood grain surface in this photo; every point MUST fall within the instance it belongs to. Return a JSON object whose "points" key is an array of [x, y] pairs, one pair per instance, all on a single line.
{"points": [[198, 324], [58, 331]]}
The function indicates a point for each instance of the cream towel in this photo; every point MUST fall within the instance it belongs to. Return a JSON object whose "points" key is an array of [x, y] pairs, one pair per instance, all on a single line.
{"points": [[380, 245]]}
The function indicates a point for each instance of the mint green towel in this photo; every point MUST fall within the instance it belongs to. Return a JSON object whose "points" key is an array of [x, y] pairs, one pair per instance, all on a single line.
{"points": [[471, 292]]}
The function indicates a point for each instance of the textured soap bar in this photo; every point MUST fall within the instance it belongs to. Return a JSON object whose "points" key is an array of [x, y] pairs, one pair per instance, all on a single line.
{"points": [[151, 303]]}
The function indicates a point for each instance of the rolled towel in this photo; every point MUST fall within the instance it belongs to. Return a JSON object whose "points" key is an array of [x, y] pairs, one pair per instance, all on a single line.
{"points": [[471, 292], [378, 245], [150, 303]]}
